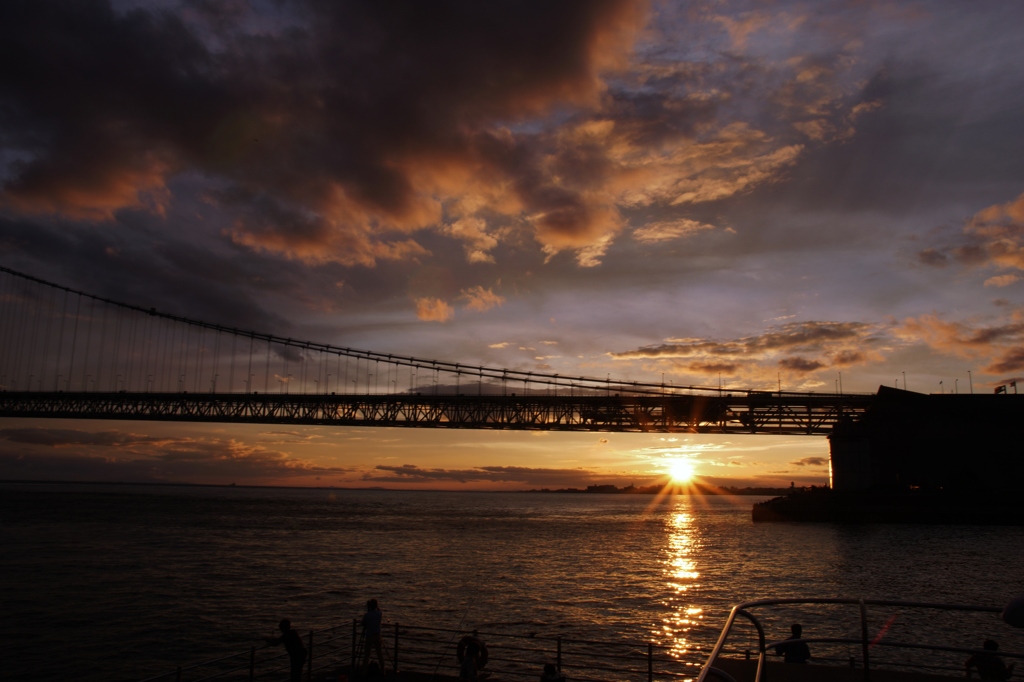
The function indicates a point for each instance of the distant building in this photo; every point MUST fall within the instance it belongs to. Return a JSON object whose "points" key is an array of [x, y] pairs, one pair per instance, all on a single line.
{"points": [[911, 440]]}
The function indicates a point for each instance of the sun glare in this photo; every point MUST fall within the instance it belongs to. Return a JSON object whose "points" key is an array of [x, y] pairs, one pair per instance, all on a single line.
{"points": [[680, 470]]}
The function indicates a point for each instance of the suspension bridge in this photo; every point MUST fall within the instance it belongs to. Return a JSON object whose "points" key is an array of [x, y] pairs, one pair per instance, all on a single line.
{"points": [[73, 355]]}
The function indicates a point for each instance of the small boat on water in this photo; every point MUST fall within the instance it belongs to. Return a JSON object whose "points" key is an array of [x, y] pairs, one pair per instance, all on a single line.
{"points": [[878, 649]]}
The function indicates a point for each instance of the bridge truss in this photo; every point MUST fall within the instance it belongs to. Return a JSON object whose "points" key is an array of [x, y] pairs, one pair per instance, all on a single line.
{"points": [[747, 413]]}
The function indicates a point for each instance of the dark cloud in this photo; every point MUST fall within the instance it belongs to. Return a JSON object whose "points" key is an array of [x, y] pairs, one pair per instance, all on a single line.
{"points": [[118, 456], [970, 254], [344, 119], [410, 473], [141, 267], [811, 462], [811, 335], [710, 368], [799, 364], [847, 357], [933, 258], [1011, 361], [55, 438]]}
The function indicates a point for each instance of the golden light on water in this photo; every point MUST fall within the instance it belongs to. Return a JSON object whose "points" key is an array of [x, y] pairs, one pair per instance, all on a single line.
{"points": [[681, 574]]}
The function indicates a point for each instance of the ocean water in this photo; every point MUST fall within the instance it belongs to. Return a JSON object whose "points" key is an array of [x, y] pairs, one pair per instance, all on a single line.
{"points": [[124, 582]]}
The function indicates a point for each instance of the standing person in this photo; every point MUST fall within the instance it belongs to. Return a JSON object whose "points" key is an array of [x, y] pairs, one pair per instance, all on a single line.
{"points": [[794, 652], [471, 652], [467, 668], [372, 620], [293, 645], [989, 665]]}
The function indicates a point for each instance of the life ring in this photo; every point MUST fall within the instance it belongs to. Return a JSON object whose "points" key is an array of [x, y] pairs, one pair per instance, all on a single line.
{"points": [[481, 656]]}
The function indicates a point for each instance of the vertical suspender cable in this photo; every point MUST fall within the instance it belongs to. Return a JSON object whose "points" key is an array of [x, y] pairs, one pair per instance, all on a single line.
{"points": [[231, 372], [8, 330], [248, 372], [5, 331], [46, 340], [88, 345], [196, 387], [216, 360], [115, 359], [103, 345], [22, 333], [132, 336], [60, 343], [284, 372], [266, 376], [74, 340], [161, 351], [36, 309], [13, 331], [147, 351], [183, 358]]}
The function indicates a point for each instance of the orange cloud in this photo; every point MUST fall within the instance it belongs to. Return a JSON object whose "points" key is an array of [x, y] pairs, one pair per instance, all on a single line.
{"points": [[481, 300], [94, 196], [433, 310], [997, 345], [668, 230], [1002, 280]]}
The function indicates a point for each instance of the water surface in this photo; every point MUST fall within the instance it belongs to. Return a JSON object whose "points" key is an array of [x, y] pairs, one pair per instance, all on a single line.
{"points": [[122, 582]]}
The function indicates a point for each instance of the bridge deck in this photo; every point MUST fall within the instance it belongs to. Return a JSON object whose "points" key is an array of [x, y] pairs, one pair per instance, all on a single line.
{"points": [[764, 413]]}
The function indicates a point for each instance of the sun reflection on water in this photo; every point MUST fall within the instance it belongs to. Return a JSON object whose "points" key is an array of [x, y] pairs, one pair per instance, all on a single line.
{"points": [[683, 579]]}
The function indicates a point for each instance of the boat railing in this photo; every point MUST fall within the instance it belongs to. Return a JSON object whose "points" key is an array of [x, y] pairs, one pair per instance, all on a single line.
{"points": [[340, 650], [864, 644]]}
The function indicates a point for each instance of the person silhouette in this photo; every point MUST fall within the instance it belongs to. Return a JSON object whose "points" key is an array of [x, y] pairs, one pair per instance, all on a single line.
{"points": [[372, 620], [551, 674], [293, 645], [471, 653], [794, 652], [989, 665], [467, 667]]}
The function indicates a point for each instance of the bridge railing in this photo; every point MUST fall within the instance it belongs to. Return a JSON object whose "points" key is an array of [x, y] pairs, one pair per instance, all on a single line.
{"points": [[340, 651]]}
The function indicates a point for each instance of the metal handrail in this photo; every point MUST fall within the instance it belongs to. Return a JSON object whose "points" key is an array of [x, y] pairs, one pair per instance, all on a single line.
{"points": [[863, 640], [332, 647]]}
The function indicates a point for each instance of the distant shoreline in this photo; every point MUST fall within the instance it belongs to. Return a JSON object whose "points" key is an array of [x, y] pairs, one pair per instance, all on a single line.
{"points": [[689, 489], [670, 489]]}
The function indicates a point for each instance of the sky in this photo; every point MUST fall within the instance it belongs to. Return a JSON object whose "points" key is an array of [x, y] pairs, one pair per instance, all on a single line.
{"points": [[770, 193]]}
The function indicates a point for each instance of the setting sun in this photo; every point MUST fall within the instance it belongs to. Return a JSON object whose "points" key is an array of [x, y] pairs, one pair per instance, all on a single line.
{"points": [[680, 470]]}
